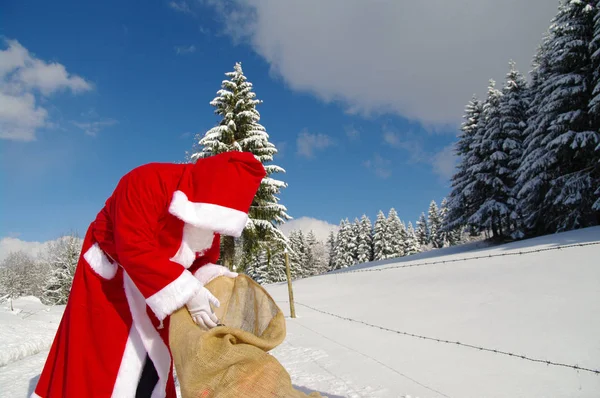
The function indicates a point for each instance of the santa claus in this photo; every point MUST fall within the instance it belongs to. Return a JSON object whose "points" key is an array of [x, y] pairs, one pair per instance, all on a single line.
{"points": [[149, 252]]}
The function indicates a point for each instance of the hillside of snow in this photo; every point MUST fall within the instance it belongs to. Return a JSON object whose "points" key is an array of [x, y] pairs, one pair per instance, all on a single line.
{"points": [[390, 329], [544, 305]]}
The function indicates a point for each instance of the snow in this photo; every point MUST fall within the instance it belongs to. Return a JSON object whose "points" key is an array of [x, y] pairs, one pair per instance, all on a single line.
{"points": [[27, 330], [541, 304]]}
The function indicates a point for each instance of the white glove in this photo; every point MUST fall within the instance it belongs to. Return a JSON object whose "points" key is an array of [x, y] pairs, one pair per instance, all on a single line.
{"points": [[200, 310], [208, 272]]}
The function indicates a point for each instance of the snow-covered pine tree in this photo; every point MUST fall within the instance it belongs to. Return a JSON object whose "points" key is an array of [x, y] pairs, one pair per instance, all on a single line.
{"points": [[354, 238], [299, 255], [450, 236], [435, 225], [556, 177], [365, 241], [465, 188], [513, 121], [277, 271], [311, 258], [422, 231], [62, 257], [394, 246], [412, 241], [379, 237], [331, 250], [240, 130], [259, 268], [445, 235], [404, 239], [345, 246], [532, 181], [493, 173], [594, 107]]}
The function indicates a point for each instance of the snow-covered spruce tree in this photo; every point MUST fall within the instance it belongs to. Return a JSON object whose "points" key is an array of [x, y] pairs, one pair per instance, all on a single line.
{"points": [[404, 238], [422, 231], [311, 258], [532, 180], [276, 259], [493, 173], [354, 237], [345, 246], [331, 250], [594, 107], [240, 130], [298, 255], [412, 241], [379, 237], [557, 173], [465, 188], [435, 226], [259, 268], [513, 121], [62, 257], [365, 241], [393, 244], [449, 237]]}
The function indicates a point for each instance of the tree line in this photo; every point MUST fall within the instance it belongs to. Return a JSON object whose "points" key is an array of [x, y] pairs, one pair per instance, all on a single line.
{"points": [[530, 151], [48, 276]]}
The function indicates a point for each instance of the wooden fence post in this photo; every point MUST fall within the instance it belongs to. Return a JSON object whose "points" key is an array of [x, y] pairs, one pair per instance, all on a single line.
{"points": [[289, 281]]}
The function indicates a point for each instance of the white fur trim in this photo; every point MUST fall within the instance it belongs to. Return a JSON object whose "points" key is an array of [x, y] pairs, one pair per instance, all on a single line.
{"points": [[208, 272], [155, 347], [174, 296], [195, 240], [221, 219], [131, 367], [99, 262], [34, 395]]}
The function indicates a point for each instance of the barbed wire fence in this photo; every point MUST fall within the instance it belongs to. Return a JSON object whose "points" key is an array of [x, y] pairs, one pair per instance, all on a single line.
{"points": [[456, 260], [458, 343]]}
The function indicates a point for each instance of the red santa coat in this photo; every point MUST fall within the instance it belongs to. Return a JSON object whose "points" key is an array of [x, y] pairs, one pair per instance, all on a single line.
{"points": [[136, 268]]}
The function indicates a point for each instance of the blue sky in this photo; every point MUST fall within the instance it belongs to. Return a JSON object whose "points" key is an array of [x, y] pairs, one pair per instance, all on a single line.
{"points": [[364, 106]]}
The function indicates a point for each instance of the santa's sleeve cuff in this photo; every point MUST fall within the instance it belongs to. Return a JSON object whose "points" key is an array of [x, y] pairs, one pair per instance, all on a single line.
{"points": [[208, 272], [175, 295]]}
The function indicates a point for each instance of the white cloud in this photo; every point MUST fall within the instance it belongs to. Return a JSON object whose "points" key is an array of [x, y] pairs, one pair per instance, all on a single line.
{"points": [[19, 117], [420, 59], [309, 143], [352, 133], [181, 50], [22, 77], [180, 6], [93, 128], [320, 228], [380, 166], [444, 162], [281, 147]]}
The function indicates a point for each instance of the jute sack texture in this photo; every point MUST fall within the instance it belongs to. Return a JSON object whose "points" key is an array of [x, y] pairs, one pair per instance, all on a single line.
{"points": [[232, 361]]}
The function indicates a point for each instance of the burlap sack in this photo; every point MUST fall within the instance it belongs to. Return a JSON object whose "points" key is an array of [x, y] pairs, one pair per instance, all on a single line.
{"points": [[232, 361]]}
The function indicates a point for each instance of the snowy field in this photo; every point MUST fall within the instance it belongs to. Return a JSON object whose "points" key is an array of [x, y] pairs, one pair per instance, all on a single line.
{"points": [[544, 305]]}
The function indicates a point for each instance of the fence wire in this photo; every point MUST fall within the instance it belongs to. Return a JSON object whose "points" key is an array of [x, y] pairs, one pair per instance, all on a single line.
{"points": [[457, 343], [456, 260]]}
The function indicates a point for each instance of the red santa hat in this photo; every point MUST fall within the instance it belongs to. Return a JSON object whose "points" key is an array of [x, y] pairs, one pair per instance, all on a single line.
{"points": [[217, 192]]}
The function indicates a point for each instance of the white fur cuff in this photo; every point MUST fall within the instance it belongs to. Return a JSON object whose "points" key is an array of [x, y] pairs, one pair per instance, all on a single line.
{"points": [[99, 262], [208, 272], [174, 295]]}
